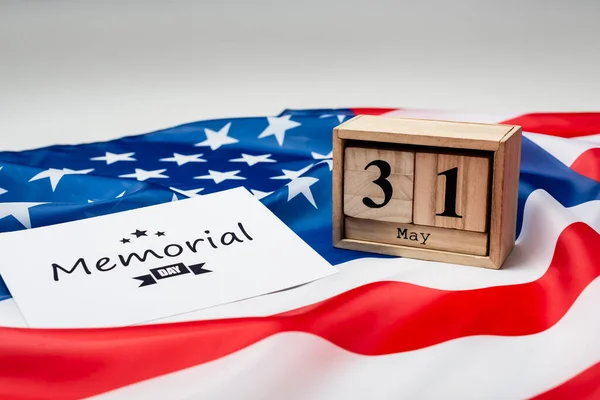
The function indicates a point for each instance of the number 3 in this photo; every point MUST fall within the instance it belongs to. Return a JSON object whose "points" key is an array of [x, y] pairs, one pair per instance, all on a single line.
{"points": [[382, 182]]}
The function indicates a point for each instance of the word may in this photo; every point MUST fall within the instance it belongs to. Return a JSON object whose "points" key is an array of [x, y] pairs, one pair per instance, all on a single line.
{"points": [[404, 234], [170, 250]]}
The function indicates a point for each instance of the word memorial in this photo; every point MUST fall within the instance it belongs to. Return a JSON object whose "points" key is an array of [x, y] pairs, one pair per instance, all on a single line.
{"points": [[433, 190]]}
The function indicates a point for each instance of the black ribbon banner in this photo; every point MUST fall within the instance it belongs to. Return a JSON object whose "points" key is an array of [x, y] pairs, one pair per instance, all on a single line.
{"points": [[169, 271]]}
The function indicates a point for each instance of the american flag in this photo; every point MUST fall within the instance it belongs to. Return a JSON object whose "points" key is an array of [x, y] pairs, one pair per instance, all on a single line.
{"points": [[382, 327]]}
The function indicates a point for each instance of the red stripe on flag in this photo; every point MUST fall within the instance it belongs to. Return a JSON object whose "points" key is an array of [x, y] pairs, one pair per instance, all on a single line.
{"points": [[565, 125], [374, 319], [371, 111], [585, 385], [588, 164]]}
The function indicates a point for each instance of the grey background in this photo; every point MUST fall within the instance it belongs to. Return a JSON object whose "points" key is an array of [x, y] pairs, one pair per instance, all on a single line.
{"points": [[80, 71]]}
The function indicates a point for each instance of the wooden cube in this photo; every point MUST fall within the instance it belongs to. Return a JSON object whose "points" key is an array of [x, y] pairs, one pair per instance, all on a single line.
{"points": [[378, 184], [452, 190], [433, 190]]}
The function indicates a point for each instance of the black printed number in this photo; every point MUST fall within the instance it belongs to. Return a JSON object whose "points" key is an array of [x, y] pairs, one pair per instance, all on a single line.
{"points": [[382, 182], [450, 200]]}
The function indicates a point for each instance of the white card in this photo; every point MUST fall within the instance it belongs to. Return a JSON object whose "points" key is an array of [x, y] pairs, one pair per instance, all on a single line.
{"points": [[136, 266]]}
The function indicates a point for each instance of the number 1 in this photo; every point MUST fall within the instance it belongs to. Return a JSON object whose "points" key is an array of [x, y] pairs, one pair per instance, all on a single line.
{"points": [[451, 189]]}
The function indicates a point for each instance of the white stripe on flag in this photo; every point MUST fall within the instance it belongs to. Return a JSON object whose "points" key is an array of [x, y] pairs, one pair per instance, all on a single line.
{"points": [[590, 138]]}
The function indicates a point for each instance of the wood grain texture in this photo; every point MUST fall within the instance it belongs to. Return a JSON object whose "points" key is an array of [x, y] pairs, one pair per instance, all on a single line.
{"points": [[412, 252], [337, 187], [472, 191], [359, 177], [505, 192], [462, 135], [422, 237]]}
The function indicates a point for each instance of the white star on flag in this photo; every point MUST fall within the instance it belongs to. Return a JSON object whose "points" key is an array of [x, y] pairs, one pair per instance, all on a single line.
{"points": [[174, 198], [302, 186], [252, 160], [55, 175], [218, 138], [142, 175], [20, 211], [288, 174], [189, 192], [2, 191], [277, 127], [340, 117], [181, 159], [258, 194], [299, 184], [112, 158], [326, 158], [219, 177]]}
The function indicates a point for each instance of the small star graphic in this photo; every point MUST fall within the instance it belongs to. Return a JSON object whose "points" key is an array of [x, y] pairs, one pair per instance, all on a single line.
{"points": [[124, 240], [139, 233], [159, 233]]}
